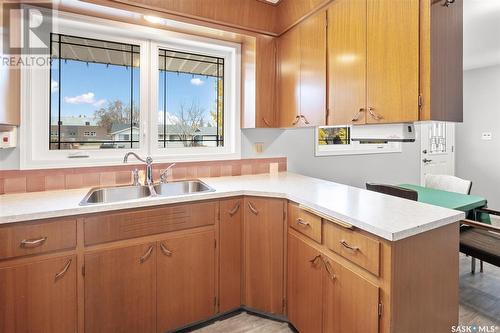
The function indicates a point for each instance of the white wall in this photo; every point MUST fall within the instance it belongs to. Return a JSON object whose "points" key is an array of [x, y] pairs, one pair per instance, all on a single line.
{"points": [[298, 146], [476, 159]]}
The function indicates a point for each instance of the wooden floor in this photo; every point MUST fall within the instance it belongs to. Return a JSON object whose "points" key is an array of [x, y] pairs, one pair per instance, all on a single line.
{"points": [[479, 305]]}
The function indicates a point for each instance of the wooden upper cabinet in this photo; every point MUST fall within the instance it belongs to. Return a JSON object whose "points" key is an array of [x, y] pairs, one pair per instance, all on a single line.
{"points": [[39, 297], [230, 246], [347, 62], [120, 290], [263, 254], [185, 280], [265, 82], [441, 60], [313, 70], [304, 283], [302, 74], [350, 302], [392, 61], [289, 78]]}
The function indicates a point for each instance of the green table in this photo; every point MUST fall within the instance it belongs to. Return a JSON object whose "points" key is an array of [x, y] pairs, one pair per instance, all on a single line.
{"points": [[463, 202]]}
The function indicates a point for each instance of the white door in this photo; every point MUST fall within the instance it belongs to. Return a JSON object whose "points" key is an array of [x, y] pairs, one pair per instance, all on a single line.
{"points": [[437, 153]]}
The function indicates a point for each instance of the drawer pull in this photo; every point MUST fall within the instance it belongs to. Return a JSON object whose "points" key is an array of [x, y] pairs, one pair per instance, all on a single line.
{"points": [[350, 247], [329, 269], [313, 260], [64, 270], [31, 243], [303, 223], [252, 208], [165, 251], [235, 209], [146, 255]]}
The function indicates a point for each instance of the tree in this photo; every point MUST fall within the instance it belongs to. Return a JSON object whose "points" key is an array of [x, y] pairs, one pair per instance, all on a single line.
{"points": [[116, 113], [189, 120]]}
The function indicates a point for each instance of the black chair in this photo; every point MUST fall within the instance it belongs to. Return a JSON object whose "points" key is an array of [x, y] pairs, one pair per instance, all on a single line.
{"points": [[393, 190]]}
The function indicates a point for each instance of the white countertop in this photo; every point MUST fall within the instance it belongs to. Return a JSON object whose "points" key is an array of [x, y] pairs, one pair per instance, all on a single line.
{"points": [[385, 216]]}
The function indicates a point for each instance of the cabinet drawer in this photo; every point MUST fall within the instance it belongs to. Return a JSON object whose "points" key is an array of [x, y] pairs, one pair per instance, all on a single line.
{"points": [[35, 238], [360, 249], [304, 222], [117, 226]]}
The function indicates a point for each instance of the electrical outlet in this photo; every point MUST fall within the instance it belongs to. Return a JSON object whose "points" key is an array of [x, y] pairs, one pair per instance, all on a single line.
{"points": [[273, 168], [259, 147], [486, 136]]}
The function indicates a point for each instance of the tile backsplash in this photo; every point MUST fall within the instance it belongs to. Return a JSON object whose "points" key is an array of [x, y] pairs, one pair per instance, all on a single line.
{"points": [[19, 181]]}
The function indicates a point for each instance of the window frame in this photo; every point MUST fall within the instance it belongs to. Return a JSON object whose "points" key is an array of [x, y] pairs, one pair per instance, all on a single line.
{"points": [[35, 90], [354, 148]]}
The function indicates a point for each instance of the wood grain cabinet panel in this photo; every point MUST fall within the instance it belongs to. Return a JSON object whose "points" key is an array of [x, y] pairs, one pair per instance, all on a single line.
{"points": [[39, 297], [186, 280], [230, 252], [304, 222], [347, 62], [124, 225], [263, 254], [304, 284], [120, 290], [35, 238]]}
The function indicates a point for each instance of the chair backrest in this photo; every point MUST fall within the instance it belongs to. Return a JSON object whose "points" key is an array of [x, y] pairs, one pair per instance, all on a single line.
{"points": [[448, 183], [393, 190]]}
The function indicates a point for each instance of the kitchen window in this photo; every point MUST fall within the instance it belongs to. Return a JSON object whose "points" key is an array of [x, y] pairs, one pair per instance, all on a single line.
{"points": [[113, 87], [336, 140]]}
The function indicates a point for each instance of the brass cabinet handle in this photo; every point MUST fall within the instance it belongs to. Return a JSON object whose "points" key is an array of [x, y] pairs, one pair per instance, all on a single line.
{"points": [[252, 208], [329, 269], [64, 270], [165, 250], [356, 117], [31, 243], [305, 119], [303, 223], [315, 259], [235, 209], [374, 114], [297, 119], [268, 124], [146, 255], [350, 247]]}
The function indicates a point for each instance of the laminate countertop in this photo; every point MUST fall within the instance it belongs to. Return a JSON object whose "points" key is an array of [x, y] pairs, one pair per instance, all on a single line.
{"points": [[386, 216]]}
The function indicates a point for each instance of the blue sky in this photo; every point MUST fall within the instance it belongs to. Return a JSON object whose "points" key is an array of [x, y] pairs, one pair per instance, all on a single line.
{"points": [[86, 88]]}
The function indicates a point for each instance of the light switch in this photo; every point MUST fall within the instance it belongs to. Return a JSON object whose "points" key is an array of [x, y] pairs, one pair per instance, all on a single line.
{"points": [[486, 136]]}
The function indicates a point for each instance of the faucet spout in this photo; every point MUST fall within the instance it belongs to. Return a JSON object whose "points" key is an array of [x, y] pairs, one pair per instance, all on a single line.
{"points": [[149, 166]]}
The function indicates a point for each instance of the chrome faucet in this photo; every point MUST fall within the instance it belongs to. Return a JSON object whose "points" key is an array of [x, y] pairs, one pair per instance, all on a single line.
{"points": [[164, 174], [149, 170]]}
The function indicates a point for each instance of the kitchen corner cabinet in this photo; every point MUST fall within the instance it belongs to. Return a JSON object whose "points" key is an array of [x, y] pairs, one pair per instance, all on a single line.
{"points": [[39, 296], [302, 74], [263, 261], [120, 289], [185, 280], [373, 57]]}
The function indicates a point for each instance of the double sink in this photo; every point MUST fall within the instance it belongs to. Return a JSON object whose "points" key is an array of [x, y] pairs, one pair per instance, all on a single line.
{"points": [[131, 192]]}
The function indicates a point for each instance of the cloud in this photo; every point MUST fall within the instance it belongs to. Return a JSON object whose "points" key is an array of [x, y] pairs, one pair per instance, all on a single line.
{"points": [[197, 81], [54, 86], [171, 119], [88, 98]]}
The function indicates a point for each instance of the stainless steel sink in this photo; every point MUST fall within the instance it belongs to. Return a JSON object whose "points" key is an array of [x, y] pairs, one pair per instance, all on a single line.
{"points": [[131, 192], [182, 188], [115, 194]]}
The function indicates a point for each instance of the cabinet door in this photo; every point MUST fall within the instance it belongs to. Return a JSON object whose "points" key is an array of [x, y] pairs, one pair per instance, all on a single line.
{"points": [[230, 254], [393, 61], [350, 303], [263, 254], [265, 82], [313, 70], [289, 78], [39, 297], [120, 289], [347, 62], [186, 280], [304, 286]]}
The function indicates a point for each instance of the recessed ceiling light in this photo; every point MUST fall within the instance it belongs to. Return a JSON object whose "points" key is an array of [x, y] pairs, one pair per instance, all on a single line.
{"points": [[154, 19]]}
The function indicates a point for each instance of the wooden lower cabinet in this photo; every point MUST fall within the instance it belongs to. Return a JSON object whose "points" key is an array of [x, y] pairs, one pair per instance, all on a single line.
{"points": [[304, 285], [39, 297], [230, 252], [263, 254], [185, 280], [120, 290]]}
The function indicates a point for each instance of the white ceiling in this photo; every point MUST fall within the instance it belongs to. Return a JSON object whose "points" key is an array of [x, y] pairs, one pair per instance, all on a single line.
{"points": [[481, 33]]}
